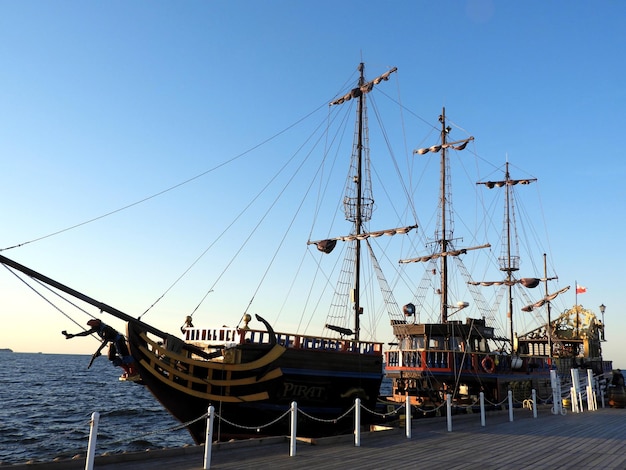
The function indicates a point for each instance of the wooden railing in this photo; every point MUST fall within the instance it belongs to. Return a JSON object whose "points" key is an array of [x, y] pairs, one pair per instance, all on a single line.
{"points": [[221, 336], [486, 362]]}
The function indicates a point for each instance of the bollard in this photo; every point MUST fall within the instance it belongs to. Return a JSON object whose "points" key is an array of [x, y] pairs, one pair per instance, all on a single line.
{"points": [[357, 422], [556, 393], [576, 395], [449, 411], [592, 404], [482, 409], [294, 426], [534, 395], [511, 406], [407, 422], [208, 438], [574, 399], [93, 437]]}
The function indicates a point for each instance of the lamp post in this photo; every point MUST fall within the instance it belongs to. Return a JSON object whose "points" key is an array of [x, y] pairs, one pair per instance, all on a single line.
{"points": [[602, 309]]}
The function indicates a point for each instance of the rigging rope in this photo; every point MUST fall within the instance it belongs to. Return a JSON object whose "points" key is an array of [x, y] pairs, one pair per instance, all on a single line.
{"points": [[50, 302], [171, 188]]}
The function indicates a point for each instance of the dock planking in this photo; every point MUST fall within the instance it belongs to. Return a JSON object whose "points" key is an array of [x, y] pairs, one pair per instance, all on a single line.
{"points": [[589, 440]]}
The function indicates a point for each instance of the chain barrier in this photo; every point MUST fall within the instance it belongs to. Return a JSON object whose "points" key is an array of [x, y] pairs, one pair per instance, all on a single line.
{"points": [[527, 403], [431, 410], [59, 435], [320, 420], [395, 411], [161, 431], [252, 428], [496, 404]]}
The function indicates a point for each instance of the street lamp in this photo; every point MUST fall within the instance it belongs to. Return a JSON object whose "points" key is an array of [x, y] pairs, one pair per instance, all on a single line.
{"points": [[602, 309]]}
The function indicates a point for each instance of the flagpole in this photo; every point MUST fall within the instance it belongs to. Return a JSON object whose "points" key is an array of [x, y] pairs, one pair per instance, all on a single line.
{"points": [[576, 290]]}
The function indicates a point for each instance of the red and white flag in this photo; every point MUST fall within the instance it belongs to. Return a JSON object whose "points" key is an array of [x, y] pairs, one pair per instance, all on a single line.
{"points": [[580, 289]]}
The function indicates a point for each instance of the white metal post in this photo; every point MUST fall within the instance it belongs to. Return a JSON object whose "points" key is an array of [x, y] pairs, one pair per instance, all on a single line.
{"points": [[449, 411], [208, 438], [556, 393], [576, 404], [294, 430], [93, 437], [357, 422], [511, 405], [407, 423], [592, 405], [534, 395], [482, 408]]}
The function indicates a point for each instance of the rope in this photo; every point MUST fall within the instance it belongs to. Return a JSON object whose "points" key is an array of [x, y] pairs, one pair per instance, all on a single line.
{"points": [[249, 428], [178, 427], [173, 187], [48, 301]]}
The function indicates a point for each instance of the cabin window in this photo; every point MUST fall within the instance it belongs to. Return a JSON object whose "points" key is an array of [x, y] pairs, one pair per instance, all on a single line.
{"points": [[437, 342], [419, 342], [480, 345], [413, 342], [456, 343]]}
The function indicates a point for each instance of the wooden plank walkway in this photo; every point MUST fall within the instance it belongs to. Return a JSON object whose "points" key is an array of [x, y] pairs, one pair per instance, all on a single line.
{"points": [[589, 440]]}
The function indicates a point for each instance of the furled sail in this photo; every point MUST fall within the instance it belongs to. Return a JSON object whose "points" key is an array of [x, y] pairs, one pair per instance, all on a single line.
{"points": [[365, 88], [452, 145], [530, 282], [328, 245], [542, 302], [462, 251]]}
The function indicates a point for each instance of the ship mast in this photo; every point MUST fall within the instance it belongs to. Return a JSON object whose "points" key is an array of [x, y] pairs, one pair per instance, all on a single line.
{"points": [[357, 217], [445, 240], [509, 261], [358, 200]]}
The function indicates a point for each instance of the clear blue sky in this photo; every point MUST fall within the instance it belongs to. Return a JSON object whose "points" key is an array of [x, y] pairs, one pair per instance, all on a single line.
{"points": [[105, 103]]}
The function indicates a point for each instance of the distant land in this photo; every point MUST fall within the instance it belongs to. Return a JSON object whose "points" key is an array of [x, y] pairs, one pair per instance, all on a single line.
{"points": [[5, 350]]}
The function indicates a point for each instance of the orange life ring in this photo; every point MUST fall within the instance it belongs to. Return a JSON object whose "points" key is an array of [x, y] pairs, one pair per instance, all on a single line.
{"points": [[488, 365]]}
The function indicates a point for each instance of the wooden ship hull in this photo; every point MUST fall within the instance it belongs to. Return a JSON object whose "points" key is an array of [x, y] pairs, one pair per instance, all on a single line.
{"points": [[255, 380]]}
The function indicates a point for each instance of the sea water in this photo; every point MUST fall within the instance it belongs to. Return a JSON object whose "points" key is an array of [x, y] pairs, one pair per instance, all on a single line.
{"points": [[46, 403]]}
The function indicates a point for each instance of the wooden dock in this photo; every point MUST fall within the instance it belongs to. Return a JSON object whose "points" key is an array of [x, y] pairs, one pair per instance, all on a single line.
{"points": [[587, 440]]}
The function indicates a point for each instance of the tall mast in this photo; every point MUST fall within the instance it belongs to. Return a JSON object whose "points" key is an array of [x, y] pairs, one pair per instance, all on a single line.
{"points": [[443, 240], [509, 260], [511, 264], [358, 200], [358, 219]]}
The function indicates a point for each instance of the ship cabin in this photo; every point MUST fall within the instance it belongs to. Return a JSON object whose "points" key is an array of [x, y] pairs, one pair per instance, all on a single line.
{"points": [[452, 345]]}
